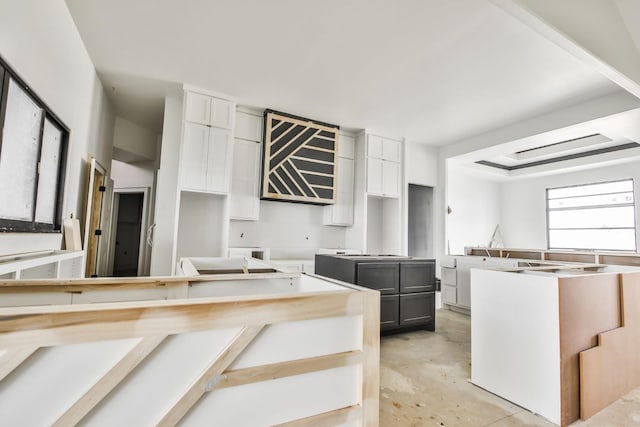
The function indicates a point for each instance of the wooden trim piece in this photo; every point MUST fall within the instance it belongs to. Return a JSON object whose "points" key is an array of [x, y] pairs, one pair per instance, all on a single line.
{"points": [[55, 325], [12, 358], [109, 381], [179, 290], [289, 368], [331, 418], [588, 305], [612, 369], [371, 362], [77, 285], [202, 384]]}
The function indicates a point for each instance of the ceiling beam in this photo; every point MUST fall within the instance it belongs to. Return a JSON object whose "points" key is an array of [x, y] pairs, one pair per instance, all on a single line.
{"points": [[593, 31]]}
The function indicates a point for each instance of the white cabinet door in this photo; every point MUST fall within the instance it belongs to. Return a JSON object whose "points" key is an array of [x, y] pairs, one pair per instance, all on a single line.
{"points": [[193, 160], [449, 294], [248, 126], [244, 199], [391, 179], [374, 176], [341, 213], [346, 146], [219, 160], [391, 150], [207, 110], [197, 108], [374, 146], [222, 113]]}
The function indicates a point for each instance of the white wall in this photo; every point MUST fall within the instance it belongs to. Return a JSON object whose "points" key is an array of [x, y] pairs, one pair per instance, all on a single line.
{"points": [[421, 167], [475, 202], [287, 225], [134, 139], [421, 164], [41, 43], [164, 234], [523, 206], [126, 175]]}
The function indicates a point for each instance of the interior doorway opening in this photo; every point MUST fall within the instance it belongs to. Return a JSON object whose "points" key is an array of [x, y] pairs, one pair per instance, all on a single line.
{"points": [[420, 221], [128, 239]]}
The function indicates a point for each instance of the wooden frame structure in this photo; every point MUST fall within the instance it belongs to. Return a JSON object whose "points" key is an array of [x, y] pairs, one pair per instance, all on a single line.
{"points": [[143, 333]]}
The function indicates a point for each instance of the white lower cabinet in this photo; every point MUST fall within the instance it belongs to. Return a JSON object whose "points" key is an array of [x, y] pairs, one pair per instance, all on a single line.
{"points": [[245, 180], [449, 294]]}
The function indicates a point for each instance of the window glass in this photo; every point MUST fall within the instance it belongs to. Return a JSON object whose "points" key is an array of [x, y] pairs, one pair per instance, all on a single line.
{"points": [[594, 216], [48, 179], [19, 154]]}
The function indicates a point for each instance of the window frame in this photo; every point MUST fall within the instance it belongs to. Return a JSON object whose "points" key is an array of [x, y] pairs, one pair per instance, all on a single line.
{"points": [[13, 225], [635, 225]]}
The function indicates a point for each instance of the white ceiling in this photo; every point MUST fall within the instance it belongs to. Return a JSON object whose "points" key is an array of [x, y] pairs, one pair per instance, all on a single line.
{"points": [[433, 71]]}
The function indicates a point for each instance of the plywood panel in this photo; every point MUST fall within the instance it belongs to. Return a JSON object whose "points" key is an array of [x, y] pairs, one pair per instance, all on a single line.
{"points": [[588, 305], [612, 369]]}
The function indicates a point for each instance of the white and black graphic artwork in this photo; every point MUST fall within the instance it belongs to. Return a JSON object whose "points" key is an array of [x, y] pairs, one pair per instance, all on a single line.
{"points": [[299, 159]]}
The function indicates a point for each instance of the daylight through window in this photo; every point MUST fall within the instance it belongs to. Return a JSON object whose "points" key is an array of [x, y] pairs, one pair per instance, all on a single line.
{"points": [[594, 216], [32, 159]]}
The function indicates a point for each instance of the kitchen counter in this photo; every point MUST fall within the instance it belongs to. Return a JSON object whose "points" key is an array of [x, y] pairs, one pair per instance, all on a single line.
{"points": [[531, 325]]}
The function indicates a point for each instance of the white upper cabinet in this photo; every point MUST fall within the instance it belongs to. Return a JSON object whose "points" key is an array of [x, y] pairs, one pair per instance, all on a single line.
{"points": [[245, 176], [222, 112], [193, 160], [206, 155], [384, 160], [374, 146], [391, 150], [219, 160], [208, 110], [205, 159], [249, 126], [245, 181], [341, 212], [197, 108]]}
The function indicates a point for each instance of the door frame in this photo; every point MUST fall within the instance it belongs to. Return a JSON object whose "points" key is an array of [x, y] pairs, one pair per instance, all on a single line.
{"points": [[142, 249], [93, 212]]}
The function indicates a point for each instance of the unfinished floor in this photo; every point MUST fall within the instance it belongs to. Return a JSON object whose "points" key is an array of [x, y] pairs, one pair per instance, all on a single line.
{"points": [[424, 382]]}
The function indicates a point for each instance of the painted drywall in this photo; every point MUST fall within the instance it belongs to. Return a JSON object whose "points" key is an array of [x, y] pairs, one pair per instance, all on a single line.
{"points": [[164, 234], [421, 168], [126, 175], [420, 221], [523, 205], [475, 203], [41, 43], [291, 225], [421, 164], [133, 142]]}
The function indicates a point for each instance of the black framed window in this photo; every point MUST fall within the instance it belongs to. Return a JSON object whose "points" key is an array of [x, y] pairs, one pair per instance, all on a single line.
{"points": [[597, 216], [33, 148]]}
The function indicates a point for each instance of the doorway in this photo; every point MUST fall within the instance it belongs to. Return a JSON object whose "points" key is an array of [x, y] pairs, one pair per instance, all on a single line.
{"points": [[420, 221], [128, 236]]}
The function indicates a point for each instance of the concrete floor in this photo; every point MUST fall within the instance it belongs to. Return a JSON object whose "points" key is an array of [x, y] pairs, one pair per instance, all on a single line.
{"points": [[424, 382]]}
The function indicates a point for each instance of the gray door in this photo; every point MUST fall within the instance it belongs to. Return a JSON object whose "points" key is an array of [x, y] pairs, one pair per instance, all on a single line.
{"points": [[127, 250]]}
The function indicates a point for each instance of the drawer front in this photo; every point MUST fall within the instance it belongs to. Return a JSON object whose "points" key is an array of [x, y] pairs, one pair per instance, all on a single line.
{"points": [[381, 276], [449, 294], [417, 309], [417, 277], [449, 276], [389, 311]]}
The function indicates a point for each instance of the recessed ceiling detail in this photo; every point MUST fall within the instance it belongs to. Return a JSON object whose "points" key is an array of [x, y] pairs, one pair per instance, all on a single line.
{"points": [[561, 158]]}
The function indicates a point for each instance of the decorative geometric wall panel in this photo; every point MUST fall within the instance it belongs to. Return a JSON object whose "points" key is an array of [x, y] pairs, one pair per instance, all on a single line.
{"points": [[299, 159]]}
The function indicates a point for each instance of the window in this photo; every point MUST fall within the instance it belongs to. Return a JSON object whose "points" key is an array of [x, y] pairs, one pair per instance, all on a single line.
{"points": [[32, 159], [594, 217]]}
